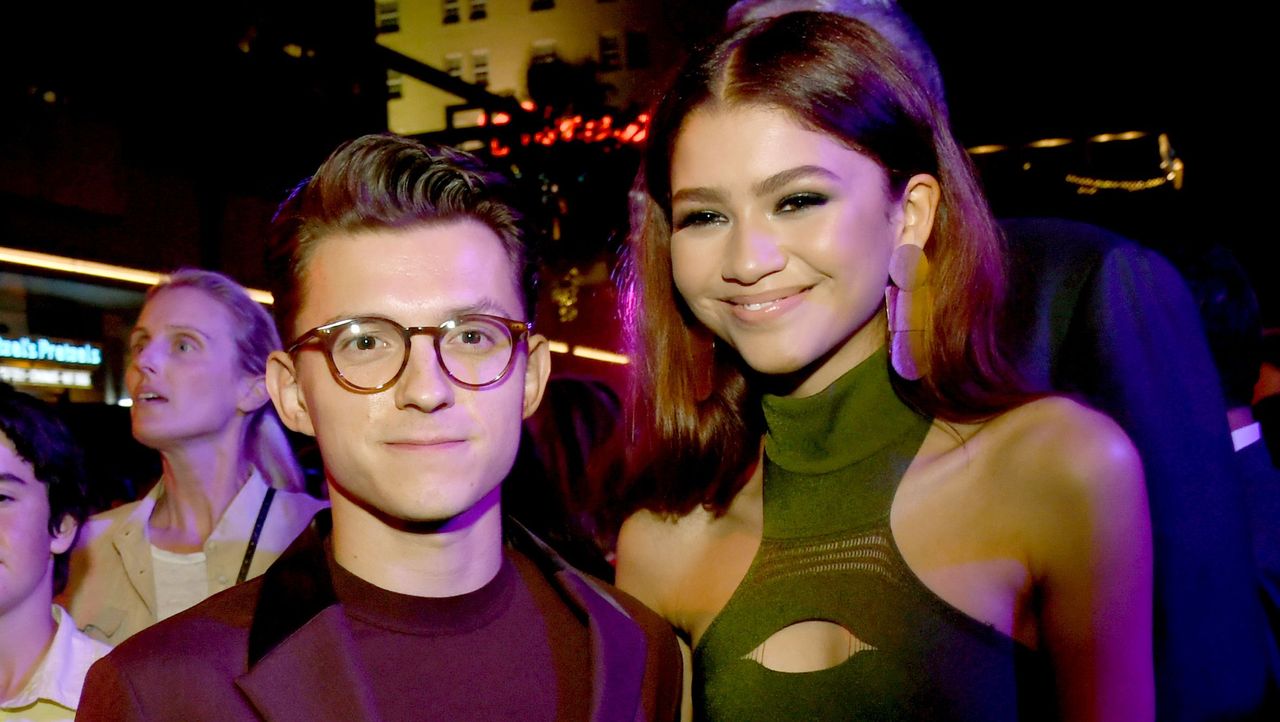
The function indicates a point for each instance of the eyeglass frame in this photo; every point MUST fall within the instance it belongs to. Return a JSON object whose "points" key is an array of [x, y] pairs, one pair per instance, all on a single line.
{"points": [[519, 330]]}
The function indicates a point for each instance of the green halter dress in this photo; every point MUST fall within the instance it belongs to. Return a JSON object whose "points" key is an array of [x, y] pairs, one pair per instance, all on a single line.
{"points": [[833, 462]]}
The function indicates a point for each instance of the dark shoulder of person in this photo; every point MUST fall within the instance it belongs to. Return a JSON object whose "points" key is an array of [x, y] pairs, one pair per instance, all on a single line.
{"points": [[179, 668]]}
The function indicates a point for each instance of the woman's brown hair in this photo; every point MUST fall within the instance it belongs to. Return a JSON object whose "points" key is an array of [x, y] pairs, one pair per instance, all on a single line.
{"points": [[695, 414]]}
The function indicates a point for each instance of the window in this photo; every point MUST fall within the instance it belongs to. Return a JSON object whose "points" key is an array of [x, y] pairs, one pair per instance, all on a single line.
{"points": [[537, 5], [452, 11], [610, 51], [637, 50], [453, 64], [478, 10], [544, 51], [395, 84], [480, 67], [388, 16]]}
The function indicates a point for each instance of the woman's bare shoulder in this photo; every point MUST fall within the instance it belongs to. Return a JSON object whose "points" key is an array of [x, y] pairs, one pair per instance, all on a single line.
{"points": [[653, 546], [1064, 441], [1064, 470]]}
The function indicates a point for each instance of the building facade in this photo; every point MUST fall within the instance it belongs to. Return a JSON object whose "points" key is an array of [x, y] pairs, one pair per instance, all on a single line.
{"points": [[493, 43]]}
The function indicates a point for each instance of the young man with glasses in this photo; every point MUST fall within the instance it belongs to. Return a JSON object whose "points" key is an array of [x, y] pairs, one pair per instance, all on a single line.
{"points": [[401, 276]]}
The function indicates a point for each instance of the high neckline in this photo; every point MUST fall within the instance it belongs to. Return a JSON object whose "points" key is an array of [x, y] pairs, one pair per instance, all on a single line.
{"points": [[856, 416], [424, 615]]}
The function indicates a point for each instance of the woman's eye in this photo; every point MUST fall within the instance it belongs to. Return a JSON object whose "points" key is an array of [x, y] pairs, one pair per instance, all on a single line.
{"points": [[698, 218], [800, 201], [184, 345]]}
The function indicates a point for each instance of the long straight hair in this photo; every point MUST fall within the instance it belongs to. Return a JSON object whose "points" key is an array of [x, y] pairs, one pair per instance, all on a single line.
{"points": [[265, 445], [695, 418]]}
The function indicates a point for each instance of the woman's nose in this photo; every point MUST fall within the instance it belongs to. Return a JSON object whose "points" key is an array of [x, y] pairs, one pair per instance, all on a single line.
{"points": [[752, 254]]}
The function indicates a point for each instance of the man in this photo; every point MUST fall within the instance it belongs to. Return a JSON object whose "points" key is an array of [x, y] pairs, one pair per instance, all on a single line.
{"points": [[1095, 315], [1233, 325], [401, 275], [43, 657]]}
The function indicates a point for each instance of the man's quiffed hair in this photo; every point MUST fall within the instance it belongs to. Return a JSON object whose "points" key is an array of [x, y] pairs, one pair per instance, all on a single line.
{"points": [[43, 441], [385, 182]]}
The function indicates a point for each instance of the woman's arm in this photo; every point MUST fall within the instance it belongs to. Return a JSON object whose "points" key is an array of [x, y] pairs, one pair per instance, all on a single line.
{"points": [[648, 555], [1090, 549]]}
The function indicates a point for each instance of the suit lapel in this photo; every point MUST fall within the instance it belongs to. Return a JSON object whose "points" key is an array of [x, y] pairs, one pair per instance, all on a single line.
{"points": [[313, 674], [617, 643], [302, 661]]}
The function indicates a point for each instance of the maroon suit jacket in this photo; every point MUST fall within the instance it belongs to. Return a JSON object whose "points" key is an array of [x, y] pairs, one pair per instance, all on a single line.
{"points": [[278, 648]]}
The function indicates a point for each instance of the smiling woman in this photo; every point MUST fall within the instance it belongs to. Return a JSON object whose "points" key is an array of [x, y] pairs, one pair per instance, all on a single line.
{"points": [[845, 501], [228, 499]]}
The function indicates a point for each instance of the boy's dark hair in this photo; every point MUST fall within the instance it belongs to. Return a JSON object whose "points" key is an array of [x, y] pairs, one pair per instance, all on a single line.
{"points": [[385, 182], [43, 441]]}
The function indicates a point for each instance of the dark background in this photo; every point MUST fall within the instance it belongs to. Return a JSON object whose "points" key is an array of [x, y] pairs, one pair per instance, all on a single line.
{"points": [[167, 143]]}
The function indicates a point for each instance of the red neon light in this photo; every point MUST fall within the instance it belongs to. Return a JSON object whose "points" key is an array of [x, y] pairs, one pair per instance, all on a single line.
{"points": [[501, 118]]}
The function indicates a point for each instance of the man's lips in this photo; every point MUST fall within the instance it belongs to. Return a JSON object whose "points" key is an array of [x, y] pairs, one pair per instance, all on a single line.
{"points": [[425, 443]]}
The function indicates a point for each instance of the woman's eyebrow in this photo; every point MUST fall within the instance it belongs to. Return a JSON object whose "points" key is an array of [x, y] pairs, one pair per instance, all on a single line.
{"points": [[779, 180], [697, 195], [170, 329]]}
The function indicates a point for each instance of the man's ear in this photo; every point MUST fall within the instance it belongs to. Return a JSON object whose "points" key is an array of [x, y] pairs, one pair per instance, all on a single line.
{"points": [[920, 200], [536, 372], [64, 536], [286, 394], [253, 394]]}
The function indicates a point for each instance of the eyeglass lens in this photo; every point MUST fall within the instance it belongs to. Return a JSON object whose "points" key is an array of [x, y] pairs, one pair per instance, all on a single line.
{"points": [[370, 352]]}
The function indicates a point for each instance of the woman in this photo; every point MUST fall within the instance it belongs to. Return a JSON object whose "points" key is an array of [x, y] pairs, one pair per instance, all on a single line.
{"points": [[849, 509], [229, 499]]}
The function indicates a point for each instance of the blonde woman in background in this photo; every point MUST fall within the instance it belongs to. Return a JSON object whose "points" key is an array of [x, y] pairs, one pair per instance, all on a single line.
{"points": [[230, 497]]}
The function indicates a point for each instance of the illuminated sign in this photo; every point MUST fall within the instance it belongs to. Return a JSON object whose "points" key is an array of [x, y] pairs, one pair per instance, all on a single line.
{"points": [[66, 378], [45, 349]]}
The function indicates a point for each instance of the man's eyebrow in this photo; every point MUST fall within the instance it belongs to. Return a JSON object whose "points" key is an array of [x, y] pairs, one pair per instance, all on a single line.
{"points": [[9, 476], [484, 305], [779, 180]]}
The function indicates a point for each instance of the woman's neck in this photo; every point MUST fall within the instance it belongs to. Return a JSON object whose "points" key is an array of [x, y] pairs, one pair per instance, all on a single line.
{"points": [[199, 482]]}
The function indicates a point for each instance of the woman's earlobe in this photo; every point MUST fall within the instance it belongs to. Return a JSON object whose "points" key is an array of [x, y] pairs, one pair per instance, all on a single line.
{"points": [[920, 201], [255, 396]]}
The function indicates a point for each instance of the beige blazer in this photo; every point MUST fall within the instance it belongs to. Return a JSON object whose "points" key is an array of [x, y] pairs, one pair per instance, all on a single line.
{"points": [[110, 592]]}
